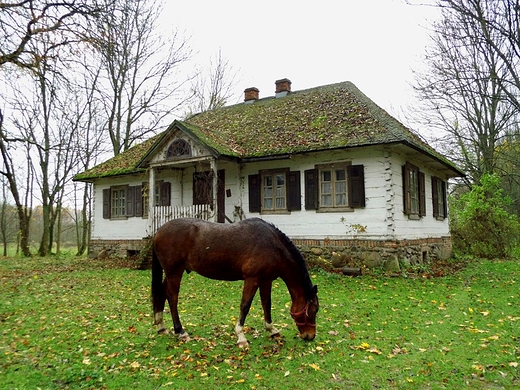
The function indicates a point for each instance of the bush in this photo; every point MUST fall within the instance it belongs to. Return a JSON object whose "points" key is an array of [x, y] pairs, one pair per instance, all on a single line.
{"points": [[481, 226]]}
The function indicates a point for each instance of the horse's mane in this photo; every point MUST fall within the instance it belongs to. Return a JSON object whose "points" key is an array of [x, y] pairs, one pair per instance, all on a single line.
{"points": [[297, 257]]}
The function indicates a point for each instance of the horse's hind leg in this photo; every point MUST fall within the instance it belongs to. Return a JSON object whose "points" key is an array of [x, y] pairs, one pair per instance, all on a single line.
{"points": [[265, 296], [172, 294], [159, 302]]}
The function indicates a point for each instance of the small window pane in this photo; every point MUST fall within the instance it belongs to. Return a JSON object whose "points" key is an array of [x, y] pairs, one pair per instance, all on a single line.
{"points": [[326, 200], [326, 188], [326, 176]]}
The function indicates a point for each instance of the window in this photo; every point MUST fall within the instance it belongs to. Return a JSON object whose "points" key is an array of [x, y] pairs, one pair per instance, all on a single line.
{"points": [[132, 201], [335, 187], [274, 191], [178, 148], [440, 207], [414, 199], [118, 202], [162, 194]]}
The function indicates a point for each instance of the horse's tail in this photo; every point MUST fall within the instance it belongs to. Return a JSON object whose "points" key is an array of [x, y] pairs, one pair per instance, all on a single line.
{"points": [[158, 294]]}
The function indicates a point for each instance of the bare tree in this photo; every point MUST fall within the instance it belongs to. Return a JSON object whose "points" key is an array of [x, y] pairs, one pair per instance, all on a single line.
{"points": [[463, 88], [137, 85], [8, 217], [212, 88], [498, 22], [26, 21], [22, 194], [88, 121]]}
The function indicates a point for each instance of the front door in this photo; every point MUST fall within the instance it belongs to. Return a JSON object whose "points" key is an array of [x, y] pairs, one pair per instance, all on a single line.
{"points": [[203, 191]]}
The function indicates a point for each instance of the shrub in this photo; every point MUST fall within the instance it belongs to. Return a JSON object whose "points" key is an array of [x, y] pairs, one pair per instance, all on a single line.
{"points": [[481, 226]]}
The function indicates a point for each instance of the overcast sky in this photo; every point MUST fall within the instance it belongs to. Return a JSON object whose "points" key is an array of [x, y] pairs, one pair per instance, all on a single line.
{"points": [[373, 43]]}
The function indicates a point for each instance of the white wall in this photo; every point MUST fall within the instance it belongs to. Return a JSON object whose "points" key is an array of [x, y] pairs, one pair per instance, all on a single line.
{"points": [[383, 215]]}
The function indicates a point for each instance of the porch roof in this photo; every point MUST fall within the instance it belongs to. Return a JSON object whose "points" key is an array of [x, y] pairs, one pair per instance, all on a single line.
{"points": [[323, 118]]}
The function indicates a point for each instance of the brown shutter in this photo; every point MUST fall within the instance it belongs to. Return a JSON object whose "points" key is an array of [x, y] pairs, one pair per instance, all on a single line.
{"points": [[255, 204], [445, 198], [294, 191], [311, 189], [407, 207], [435, 197], [106, 203], [138, 201], [165, 195], [422, 195], [130, 201], [356, 186]]}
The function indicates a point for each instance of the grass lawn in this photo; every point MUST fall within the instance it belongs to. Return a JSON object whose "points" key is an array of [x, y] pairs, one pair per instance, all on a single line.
{"points": [[77, 323]]}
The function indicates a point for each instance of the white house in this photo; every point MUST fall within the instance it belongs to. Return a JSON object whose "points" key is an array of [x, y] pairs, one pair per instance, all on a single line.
{"points": [[331, 169]]}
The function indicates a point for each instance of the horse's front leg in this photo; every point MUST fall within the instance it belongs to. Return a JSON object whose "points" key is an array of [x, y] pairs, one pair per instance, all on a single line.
{"points": [[265, 296], [172, 294], [248, 293]]}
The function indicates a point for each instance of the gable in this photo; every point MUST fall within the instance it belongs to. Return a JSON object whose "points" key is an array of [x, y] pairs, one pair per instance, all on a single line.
{"points": [[177, 146]]}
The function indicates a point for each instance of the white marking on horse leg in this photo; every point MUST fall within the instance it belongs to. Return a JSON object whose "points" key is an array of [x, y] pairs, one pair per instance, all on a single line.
{"points": [[242, 341], [158, 320], [271, 329], [184, 336]]}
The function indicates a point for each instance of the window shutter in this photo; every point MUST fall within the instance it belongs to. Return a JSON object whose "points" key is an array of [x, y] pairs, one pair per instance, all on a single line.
{"points": [[407, 207], [311, 189], [356, 186], [106, 203], [130, 201], [435, 197], [165, 195], [422, 195], [254, 193], [138, 201], [294, 191], [445, 198]]}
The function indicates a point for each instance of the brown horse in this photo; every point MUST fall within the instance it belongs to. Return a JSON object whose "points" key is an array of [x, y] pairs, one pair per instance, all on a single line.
{"points": [[251, 250]]}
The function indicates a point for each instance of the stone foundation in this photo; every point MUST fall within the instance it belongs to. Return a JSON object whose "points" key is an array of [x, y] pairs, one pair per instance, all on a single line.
{"points": [[392, 255], [117, 248]]}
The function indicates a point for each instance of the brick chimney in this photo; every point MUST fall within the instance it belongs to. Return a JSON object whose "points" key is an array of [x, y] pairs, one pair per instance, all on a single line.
{"points": [[251, 94], [283, 87]]}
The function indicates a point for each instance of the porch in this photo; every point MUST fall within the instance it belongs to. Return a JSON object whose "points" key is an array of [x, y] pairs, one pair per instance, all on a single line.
{"points": [[163, 214]]}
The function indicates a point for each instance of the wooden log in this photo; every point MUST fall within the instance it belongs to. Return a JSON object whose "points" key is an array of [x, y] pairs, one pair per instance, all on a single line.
{"points": [[351, 271]]}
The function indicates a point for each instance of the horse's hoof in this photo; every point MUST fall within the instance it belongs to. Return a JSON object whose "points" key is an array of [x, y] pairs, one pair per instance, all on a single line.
{"points": [[185, 337], [243, 344], [276, 335], [162, 331]]}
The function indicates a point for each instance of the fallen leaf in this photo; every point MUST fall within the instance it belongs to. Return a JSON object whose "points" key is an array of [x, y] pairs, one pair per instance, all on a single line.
{"points": [[314, 366]]}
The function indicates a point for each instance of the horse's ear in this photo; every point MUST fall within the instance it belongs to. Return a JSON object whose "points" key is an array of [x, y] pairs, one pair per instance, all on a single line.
{"points": [[314, 290]]}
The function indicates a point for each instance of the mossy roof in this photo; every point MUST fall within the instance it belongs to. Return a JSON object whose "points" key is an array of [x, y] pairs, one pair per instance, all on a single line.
{"points": [[322, 118]]}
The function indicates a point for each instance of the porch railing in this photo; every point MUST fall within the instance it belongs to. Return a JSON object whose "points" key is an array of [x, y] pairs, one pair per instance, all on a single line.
{"points": [[163, 214]]}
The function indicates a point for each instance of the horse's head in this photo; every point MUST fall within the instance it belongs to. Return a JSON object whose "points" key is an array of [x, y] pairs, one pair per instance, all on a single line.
{"points": [[305, 319]]}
